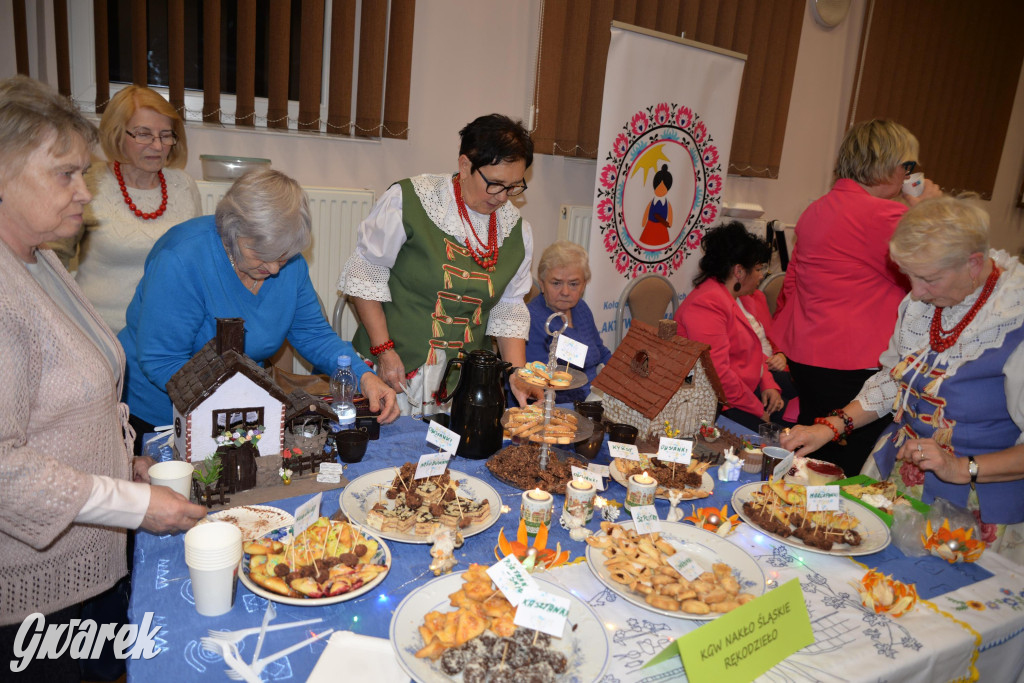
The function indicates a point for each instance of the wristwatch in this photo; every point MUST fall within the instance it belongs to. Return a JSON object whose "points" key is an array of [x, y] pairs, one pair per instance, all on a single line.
{"points": [[972, 469]]}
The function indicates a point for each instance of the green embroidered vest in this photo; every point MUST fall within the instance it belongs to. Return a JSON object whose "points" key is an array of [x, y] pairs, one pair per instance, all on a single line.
{"points": [[440, 297]]}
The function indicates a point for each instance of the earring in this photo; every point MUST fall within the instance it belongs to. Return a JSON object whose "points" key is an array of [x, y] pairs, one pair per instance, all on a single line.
{"points": [[735, 286]]}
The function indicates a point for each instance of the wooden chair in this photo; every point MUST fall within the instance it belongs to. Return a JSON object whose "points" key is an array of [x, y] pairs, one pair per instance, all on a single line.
{"points": [[650, 298], [771, 287]]}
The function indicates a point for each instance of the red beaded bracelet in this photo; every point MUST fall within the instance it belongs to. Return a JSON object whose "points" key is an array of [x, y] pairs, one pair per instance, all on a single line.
{"points": [[377, 350], [847, 420], [824, 421]]}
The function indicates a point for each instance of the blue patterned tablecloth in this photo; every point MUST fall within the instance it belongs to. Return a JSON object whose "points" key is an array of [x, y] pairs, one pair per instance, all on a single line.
{"points": [[972, 629]]}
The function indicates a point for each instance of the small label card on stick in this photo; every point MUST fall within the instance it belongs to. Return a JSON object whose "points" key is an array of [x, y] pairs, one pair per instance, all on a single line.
{"points": [[675, 450], [627, 451], [431, 465], [443, 438], [543, 612]]}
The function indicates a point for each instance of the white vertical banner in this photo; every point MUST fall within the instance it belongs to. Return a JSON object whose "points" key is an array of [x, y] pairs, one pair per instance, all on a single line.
{"points": [[666, 128]]}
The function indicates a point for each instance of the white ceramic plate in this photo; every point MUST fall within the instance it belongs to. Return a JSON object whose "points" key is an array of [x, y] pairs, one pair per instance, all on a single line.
{"points": [[587, 649], [707, 483], [873, 531], [382, 556], [363, 493], [705, 548], [255, 521]]}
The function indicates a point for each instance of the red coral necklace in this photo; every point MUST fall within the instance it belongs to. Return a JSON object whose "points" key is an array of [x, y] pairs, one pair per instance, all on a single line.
{"points": [[128, 200], [489, 256], [942, 340]]}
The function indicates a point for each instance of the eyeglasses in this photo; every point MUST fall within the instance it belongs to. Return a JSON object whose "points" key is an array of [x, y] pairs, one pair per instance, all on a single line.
{"points": [[145, 137], [498, 188], [909, 166]]}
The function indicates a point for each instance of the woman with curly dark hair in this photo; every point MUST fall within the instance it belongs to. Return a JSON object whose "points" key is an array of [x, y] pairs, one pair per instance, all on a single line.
{"points": [[727, 311]]}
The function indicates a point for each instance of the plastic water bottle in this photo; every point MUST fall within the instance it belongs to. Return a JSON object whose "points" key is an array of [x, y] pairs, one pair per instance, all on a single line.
{"points": [[343, 389]]}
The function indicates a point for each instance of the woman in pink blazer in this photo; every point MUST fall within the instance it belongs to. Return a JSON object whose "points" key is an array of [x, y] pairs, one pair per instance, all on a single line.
{"points": [[727, 311]]}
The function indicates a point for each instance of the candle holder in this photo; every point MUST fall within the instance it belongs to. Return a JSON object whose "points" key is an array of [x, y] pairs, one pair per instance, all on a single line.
{"points": [[640, 490], [535, 510], [580, 495]]}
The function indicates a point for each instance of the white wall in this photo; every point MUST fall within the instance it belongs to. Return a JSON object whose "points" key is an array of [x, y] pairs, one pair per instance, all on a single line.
{"points": [[473, 57]]}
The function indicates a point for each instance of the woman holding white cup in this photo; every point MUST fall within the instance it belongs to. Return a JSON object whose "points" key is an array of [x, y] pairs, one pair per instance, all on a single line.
{"points": [[837, 308]]}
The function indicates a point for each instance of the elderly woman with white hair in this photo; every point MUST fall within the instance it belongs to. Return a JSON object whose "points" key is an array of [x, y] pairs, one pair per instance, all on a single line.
{"points": [[952, 377], [563, 272], [243, 262]]}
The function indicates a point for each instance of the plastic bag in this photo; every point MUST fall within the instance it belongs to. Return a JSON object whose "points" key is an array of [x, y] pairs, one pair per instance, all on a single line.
{"points": [[959, 518], [908, 527]]}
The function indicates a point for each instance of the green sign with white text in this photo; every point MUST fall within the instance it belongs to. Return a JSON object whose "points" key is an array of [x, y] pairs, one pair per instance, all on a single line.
{"points": [[743, 644]]}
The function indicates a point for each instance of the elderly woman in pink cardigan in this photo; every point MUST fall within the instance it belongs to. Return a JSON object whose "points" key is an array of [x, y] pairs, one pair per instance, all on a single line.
{"points": [[66, 489], [727, 311]]}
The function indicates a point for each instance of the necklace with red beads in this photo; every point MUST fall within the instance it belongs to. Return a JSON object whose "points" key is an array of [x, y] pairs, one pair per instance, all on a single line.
{"points": [[128, 200], [489, 256], [939, 338]]}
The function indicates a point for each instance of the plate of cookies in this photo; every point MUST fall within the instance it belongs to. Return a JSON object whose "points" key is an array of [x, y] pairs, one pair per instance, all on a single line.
{"points": [[645, 569], [539, 374], [564, 427]]}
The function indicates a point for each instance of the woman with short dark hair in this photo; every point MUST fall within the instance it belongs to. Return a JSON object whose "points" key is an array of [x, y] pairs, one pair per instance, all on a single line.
{"points": [[443, 262]]}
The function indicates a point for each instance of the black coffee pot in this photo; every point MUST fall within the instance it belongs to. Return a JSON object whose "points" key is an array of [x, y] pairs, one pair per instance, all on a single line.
{"points": [[478, 402]]}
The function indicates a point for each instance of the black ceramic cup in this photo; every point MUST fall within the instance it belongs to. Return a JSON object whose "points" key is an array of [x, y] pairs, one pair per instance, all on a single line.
{"points": [[592, 446], [622, 433], [351, 445], [592, 409]]}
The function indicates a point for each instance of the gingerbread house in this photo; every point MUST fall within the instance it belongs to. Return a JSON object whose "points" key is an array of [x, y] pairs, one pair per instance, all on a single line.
{"points": [[656, 376], [219, 390]]}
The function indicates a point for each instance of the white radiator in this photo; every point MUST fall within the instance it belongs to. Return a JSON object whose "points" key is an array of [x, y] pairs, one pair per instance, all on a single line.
{"points": [[336, 213], [574, 224]]}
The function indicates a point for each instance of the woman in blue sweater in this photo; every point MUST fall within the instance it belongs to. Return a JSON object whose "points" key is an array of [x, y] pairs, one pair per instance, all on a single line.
{"points": [[243, 262], [564, 272]]}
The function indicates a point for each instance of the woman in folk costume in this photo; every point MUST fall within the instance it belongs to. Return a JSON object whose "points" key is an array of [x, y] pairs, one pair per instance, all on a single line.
{"points": [[443, 262], [953, 375]]}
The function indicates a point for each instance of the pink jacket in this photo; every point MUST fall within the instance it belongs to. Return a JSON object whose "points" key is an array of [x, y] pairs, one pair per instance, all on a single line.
{"points": [[837, 308], [709, 314]]}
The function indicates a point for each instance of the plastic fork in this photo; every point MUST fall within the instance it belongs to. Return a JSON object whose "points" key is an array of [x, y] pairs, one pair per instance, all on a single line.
{"points": [[232, 657], [241, 634], [258, 666]]}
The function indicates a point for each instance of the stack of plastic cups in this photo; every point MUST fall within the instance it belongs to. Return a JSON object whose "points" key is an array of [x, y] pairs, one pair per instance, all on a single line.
{"points": [[212, 553]]}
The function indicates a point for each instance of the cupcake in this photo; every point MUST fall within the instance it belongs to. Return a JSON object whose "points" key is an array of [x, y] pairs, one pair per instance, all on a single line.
{"points": [[752, 457]]}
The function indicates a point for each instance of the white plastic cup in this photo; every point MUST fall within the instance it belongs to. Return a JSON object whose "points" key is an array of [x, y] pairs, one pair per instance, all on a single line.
{"points": [[212, 553], [214, 589], [914, 185], [174, 474]]}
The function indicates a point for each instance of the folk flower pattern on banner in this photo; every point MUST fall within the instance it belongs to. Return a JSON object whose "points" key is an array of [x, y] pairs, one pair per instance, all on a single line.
{"points": [[659, 190]]}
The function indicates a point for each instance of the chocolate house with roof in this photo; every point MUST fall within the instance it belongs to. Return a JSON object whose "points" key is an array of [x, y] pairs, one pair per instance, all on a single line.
{"points": [[221, 388], [655, 375]]}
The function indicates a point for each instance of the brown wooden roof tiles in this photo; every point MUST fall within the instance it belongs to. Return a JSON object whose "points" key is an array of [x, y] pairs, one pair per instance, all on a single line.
{"points": [[669, 361]]}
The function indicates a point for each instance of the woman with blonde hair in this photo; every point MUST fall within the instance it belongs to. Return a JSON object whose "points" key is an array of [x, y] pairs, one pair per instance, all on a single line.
{"points": [[138, 195], [838, 305], [952, 377], [563, 272]]}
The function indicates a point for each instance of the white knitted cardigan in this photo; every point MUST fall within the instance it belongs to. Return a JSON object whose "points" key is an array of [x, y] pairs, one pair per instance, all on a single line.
{"points": [[59, 423]]}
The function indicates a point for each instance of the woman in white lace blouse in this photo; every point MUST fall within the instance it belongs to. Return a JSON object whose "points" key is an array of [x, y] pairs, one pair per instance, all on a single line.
{"points": [[443, 261], [138, 194], [953, 375]]}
